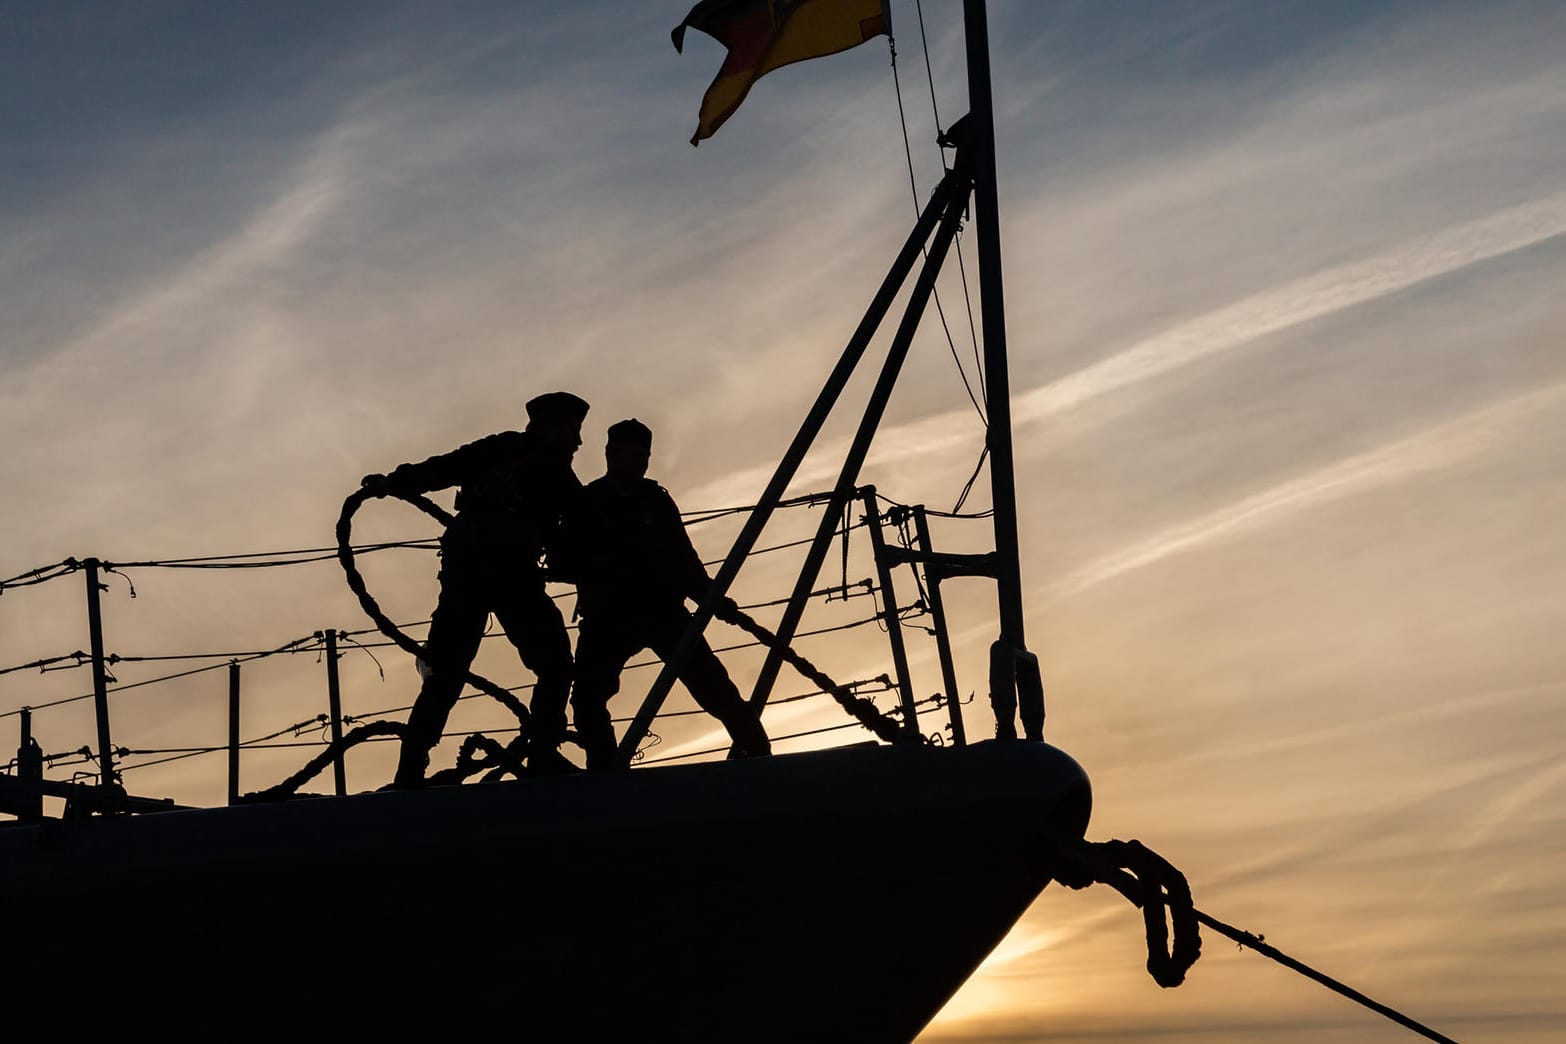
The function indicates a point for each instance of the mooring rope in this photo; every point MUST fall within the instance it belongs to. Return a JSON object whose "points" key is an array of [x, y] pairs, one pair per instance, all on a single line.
{"points": [[1149, 881], [1152, 883], [864, 711]]}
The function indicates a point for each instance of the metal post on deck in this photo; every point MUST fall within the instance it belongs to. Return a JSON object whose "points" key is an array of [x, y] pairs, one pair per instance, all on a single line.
{"points": [[1010, 649], [29, 772], [233, 732], [334, 698], [889, 611], [943, 642], [100, 674]]}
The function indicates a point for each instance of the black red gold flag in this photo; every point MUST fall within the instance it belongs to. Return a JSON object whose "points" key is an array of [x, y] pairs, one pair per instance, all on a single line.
{"points": [[762, 35]]}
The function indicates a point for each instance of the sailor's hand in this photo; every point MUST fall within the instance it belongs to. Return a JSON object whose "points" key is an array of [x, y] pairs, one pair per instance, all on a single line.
{"points": [[726, 609], [375, 485]]}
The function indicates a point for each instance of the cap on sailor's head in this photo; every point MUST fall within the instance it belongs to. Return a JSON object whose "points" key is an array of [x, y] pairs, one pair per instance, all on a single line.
{"points": [[631, 431], [558, 405]]}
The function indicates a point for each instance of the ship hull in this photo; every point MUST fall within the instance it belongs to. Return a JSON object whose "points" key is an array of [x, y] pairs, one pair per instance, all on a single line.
{"points": [[834, 895]]}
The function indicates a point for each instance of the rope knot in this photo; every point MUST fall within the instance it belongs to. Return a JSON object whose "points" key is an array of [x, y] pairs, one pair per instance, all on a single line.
{"points": [[1151, 882]]}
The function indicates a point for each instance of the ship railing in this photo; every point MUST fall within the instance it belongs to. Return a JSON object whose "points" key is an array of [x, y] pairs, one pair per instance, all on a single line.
{"points": [[899, 540]]}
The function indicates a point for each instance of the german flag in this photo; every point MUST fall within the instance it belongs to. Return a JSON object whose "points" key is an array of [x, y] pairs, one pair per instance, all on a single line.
{"points": [[762, 35]]}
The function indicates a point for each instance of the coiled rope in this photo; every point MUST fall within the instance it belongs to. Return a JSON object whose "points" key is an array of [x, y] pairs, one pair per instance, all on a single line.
{"points": [[345, 555], [498, 759]]}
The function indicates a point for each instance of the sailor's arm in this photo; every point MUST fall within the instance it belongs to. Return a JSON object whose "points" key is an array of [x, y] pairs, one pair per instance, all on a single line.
{"points": [[444, 469], [696, 580], [565, 551]]}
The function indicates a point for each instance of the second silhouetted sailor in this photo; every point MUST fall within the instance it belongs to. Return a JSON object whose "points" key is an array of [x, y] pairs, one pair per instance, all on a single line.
{"points": [[626, 549]]}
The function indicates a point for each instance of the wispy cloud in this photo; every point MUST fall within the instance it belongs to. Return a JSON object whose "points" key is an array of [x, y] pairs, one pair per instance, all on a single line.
{"points": [[1243, 322], [268, 238], [1440, 447], [1223, 330]]}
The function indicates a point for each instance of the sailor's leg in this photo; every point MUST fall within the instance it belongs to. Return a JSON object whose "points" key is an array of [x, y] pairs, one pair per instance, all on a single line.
{"points": [[534, 625], [601, 651], [703, 674], [456, 628]]}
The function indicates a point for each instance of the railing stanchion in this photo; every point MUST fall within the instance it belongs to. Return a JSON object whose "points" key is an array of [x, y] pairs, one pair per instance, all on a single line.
{"points": [[100, 674], [29, 772], [889, 612], [334, 697], [233, 732], [943, 641]]}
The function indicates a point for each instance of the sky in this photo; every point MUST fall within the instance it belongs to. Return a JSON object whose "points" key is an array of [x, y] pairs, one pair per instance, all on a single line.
{"points": [[1288, 366]]}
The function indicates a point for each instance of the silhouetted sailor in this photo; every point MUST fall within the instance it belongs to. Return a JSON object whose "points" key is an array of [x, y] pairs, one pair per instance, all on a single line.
{"points": [[513, 488], [633, 564]]}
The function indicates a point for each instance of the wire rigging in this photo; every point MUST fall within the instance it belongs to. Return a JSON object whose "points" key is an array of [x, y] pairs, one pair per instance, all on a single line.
{"points": [[962, 269], [41, 575], [286, 648], [272, 558], [913, 186], [78, 657]]}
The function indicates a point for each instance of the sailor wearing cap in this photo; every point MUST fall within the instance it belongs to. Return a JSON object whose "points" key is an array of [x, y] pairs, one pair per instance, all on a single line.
{"points": [[625, 547], [513, 487]]}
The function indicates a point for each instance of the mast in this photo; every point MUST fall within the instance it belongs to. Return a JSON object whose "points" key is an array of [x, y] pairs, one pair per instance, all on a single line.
{"points": [[1010, 647]]}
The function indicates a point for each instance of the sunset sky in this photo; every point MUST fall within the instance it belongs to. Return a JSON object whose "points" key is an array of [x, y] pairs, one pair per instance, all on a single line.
{"points": [[1288, 357]]}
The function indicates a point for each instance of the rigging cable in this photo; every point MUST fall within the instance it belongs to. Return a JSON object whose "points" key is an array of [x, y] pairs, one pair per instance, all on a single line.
{"points": [[78, 657], [290, 647], [914, 187], [41, 575], [777, 739], [694, 518], [271, 558], [962, 269], [967, 487]]}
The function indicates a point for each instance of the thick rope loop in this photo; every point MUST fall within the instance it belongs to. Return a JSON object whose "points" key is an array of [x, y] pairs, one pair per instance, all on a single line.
{"points": [[382, 621], [1149, 881], [289, 787], [497, 758]]}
